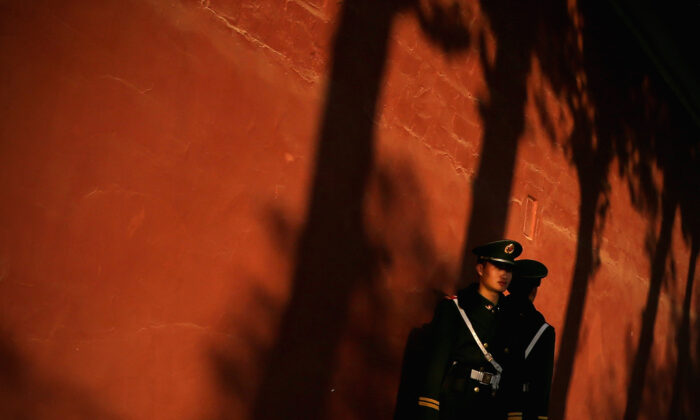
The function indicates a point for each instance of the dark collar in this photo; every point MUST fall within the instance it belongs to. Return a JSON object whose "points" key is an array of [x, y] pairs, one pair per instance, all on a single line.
{"points": [[472, 298], [522, 303]]}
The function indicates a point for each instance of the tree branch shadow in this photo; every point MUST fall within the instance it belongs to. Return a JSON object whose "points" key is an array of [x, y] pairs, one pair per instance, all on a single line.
{"points": [[335, 256], [685, 386], [621, 113]]}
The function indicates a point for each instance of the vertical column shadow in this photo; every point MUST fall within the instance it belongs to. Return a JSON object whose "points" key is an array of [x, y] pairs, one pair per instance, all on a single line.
{"points": [[334, 255], [685, 385]]}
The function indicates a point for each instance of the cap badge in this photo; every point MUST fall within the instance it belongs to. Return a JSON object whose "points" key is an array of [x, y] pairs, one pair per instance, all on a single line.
{"points": [[509, 248]]}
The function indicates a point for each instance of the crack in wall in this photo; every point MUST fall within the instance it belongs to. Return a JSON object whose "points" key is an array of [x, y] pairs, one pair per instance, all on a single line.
{"points": [[571, 235], [308, 76], [310, 8], [127, 84], [459, 169]]}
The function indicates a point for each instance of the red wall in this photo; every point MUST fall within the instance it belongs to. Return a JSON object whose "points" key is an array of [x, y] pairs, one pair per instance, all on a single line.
{"points": [[241, 209]]}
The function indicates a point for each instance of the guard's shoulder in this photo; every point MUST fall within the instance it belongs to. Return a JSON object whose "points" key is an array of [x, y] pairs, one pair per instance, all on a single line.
{"points": [[538, 315], [445, 309], [533, 320]]}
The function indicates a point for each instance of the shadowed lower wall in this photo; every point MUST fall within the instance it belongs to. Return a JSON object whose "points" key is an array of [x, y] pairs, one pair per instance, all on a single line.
{"points": [[243, 209]]}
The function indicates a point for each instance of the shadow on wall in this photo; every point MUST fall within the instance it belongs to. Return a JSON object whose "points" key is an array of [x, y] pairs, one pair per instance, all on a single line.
{"points": [[26, 393], [679, 382], [622, 112], [400, 229], [335, 256], [637, 123], [619, 114], [502, 115], [685, 389]]}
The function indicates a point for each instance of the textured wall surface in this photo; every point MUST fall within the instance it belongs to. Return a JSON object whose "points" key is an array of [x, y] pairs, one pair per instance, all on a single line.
{"points": [[242, 209]]}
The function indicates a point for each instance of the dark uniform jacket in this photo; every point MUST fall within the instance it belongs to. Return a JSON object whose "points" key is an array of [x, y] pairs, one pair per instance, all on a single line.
{"points": [[537, 367], [449, 392]]}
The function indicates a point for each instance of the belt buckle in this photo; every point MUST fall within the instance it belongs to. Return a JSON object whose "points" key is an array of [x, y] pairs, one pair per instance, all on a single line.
{"points": [[486, 378]]}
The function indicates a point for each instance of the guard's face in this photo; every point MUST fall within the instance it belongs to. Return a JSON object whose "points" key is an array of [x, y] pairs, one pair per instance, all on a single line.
{"points": [[495, 276]]}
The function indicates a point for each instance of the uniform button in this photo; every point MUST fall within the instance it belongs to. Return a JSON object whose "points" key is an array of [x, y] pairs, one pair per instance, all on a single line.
{"points": [[476, 389], [486, 345]]}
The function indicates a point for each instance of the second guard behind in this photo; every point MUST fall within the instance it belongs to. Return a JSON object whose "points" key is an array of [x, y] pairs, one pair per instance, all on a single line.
{"points": [[535, 336]]}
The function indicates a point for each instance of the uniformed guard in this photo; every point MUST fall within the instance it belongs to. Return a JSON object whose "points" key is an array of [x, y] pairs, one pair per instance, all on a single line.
{"points": [[535, 336], [473, 345]]}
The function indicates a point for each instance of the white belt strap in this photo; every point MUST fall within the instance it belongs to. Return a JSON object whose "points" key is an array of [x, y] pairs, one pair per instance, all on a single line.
{"points": [[488, 355], [486, 378], [535, 338]]}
